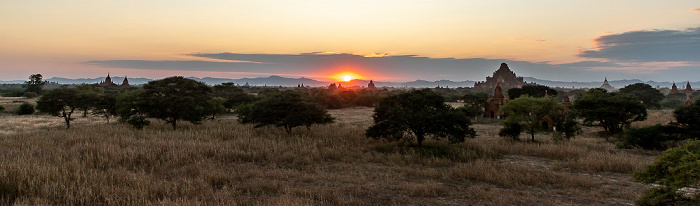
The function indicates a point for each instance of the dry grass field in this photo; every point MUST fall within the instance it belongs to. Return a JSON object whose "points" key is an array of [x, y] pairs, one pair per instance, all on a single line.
{"points": [[224, 163]]}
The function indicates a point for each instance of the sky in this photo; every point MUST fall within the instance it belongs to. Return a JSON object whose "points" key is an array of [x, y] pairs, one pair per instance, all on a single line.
{"points": [[576, 40]]}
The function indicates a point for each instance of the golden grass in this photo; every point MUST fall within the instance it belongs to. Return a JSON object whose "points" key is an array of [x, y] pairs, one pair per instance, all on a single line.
{"points": [[224, 163]]}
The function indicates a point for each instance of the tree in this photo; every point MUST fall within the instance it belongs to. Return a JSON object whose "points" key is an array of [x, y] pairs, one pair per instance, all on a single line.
{"points": [[531, 90], [35, 84], [89, 96], [676, 168], [105, 105], [216, 106], [418, 113], [644, 93], [61, 102], [232, 95], [131, 108], [474, 104], [614, 111], [286, 109], [688, 118], [530, 111], [176, 98]]}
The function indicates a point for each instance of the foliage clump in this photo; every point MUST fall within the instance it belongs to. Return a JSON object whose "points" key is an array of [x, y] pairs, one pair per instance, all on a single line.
{"points": [[529, 112], [419, 114], [675, 169], [26, 109], [614, 111], [60, 102], [283, 109]]}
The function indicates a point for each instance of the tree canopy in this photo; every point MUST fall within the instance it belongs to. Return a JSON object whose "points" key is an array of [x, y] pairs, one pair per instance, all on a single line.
{"points": [[674, 169], [232, 95], [418, 113], [176, 98], [530, 112], [614, 111], [644, 93], [474, 104], [35, 83], [61, 102], [283, 109]]}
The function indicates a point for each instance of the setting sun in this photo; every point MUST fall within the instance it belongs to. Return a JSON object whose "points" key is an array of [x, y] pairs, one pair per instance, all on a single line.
{"points": [[346, 76]]}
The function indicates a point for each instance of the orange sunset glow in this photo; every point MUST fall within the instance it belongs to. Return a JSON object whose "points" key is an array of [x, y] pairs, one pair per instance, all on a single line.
{"points": [[346, 76]]}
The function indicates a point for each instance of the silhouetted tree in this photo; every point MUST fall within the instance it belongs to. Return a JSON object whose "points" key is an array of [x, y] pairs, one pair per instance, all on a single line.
{"points": [[89, 96], [105, 105], [474, 104], [614, 111], [530, 111], [61, 102], [176, 98], [131, 108], [644, 93], [286, 109], [35, 84], [418, 113]]}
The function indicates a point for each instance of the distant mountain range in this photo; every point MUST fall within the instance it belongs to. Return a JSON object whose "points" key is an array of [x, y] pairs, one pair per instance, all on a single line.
{"points": [[289, 82]]}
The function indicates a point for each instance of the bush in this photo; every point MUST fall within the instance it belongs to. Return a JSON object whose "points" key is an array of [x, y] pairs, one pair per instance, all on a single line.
{"points": [[652, 137], [675, 169], [2, 109], [511, 129], [26, 109]]}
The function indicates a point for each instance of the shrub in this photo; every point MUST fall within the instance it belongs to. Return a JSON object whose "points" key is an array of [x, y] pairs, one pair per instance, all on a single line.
{"points": [[651, 137], [26, 109], [675, 169], [511, 129], [2, 109]]}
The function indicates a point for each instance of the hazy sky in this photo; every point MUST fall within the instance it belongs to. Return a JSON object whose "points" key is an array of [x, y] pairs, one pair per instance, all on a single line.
{"points": [[402, 40]]}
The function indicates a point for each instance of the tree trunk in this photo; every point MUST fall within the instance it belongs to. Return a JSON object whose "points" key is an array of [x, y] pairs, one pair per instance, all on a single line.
{"points": [[420, 137], [174, 123]]}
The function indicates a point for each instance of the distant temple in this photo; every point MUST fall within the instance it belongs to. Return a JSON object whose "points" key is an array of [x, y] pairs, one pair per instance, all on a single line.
{"points": [[503, 77], [674, 89], [688, 89], [607, 86], [371, 85], [493, 107], [108, 82]]}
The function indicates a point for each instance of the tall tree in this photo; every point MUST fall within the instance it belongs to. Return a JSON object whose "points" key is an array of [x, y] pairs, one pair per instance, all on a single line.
{"points": [[286, 109], [105, 105], [61, 102], [649, 96], [530, 111], [614, 111], [421, 113], [176, 98], [35, 83], [89, 96]]}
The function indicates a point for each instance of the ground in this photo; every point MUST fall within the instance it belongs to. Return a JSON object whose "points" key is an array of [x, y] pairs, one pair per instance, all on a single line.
{"points": [[223, 162]]}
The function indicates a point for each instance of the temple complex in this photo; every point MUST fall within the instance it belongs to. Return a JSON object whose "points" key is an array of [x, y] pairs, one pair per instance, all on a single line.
{"points": [[503, 77], [371, 85], [109, 83]]}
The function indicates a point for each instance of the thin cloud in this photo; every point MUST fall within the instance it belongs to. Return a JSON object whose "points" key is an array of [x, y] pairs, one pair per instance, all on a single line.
{"points": [[529, 40], [695, 10], [648, 46]]}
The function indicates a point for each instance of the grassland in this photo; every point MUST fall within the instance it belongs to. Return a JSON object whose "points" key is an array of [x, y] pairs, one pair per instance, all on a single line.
{"points": [[222, 162]]}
